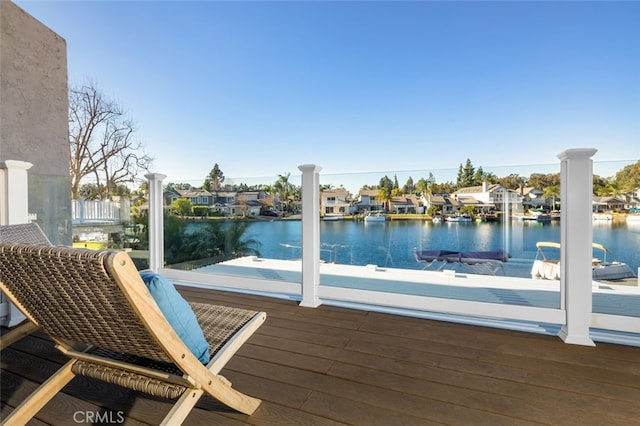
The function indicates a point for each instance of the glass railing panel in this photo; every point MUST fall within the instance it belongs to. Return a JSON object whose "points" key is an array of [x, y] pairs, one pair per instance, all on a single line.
{"points": [[231, 235], [435, 227], [49, 206], [116, 224], [225, 231], [616, 234]]}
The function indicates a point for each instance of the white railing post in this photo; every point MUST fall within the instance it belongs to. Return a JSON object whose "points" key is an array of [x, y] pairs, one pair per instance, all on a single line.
{"points": [[14, 210], [576, 237], [310, 234], [156, 221], [14, 192]]}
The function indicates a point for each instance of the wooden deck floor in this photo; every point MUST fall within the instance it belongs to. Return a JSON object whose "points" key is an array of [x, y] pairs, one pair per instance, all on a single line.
{"points": [[330, 366]]}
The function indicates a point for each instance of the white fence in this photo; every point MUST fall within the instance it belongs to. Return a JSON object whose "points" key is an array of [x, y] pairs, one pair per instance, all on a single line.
{"points": [[97, 212]]}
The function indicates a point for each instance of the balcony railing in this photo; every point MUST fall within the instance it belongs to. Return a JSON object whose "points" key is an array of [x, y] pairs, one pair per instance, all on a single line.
{"points": [[97, 211], [564, 306], [314, 270]]}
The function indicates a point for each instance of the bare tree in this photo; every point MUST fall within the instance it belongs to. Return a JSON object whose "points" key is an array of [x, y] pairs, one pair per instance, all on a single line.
{"points": [[102, 143]]}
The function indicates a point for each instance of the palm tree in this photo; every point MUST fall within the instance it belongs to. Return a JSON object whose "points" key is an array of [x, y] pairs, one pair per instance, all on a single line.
{"points": [[230, 241], [282, 188], [613, 189], [552, 192], [215, 240], [423, 186], [384, 196]]}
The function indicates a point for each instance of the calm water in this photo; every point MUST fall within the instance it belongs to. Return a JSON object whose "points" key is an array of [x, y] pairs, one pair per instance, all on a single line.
{"points": [[392, 244]]}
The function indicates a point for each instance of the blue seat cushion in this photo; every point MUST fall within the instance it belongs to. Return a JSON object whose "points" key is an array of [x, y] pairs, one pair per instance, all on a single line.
{"points": [[178, 313]]}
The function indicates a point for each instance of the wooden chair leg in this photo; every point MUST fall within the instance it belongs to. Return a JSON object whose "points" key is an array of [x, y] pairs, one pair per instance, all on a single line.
{"points": [[16, 333], [182, 407], [30, 406], [220, 388]]}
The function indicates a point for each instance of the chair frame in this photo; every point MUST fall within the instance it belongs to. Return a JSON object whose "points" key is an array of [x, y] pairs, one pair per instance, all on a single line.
{"points": [[29, 233], [196, 378]]}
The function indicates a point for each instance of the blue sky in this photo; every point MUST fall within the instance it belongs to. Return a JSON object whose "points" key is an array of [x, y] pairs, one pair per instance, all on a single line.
{"points": [[263, 87]]}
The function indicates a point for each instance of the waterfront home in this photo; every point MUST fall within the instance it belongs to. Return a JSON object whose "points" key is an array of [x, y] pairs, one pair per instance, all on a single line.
{"points": [[478, 205], [444, 204], [224, 202], [607, 204], [634, 199], [243, 208], [492, 194], [241, 203], [448, 205], [533, 199], [197, 196], [367, 201], [407, 204], [250, 195], [335, 202]]}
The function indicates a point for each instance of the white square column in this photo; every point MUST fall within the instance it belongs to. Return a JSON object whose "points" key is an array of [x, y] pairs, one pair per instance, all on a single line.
{"points": [[576, 237], [310, 234]]}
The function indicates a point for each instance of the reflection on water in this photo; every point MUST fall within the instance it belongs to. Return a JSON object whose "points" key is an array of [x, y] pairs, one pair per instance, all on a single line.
{"points": [[393, 244]]}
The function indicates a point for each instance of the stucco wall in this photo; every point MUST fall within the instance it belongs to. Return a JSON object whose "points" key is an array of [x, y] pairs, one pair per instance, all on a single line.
{"points": [[34, 114]]}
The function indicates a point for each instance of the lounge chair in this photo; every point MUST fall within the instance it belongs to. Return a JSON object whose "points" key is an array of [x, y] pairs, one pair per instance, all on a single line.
{"points": [[95, 306], [27, 233]]}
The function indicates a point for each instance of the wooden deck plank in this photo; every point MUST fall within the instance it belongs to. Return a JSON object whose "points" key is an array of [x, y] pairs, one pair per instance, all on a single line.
{"points": [[526, 403], [599, 364], [334, 366], [358, 413], [424, 371], [533, 386], [517, 371], [355, 389]]}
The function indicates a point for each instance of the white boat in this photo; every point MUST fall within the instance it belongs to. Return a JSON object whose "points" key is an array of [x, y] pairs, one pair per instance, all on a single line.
{"points": [[437, 219], [604, 268], [375, 217], [537, 215], [602, 216], [332, 217], [461, 218]]}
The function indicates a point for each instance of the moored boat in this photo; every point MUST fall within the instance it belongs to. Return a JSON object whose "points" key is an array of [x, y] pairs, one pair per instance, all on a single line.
{"points": [[538, 215], [543, 218], [375, 217], [603, 268], [487, 217], [461, 218]]}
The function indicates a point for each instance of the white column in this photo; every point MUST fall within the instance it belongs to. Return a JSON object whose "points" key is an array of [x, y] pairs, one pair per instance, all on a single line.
{"points": [[14, 199], [310, 234], [14, 210], [156, 221], [576, 237]]}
